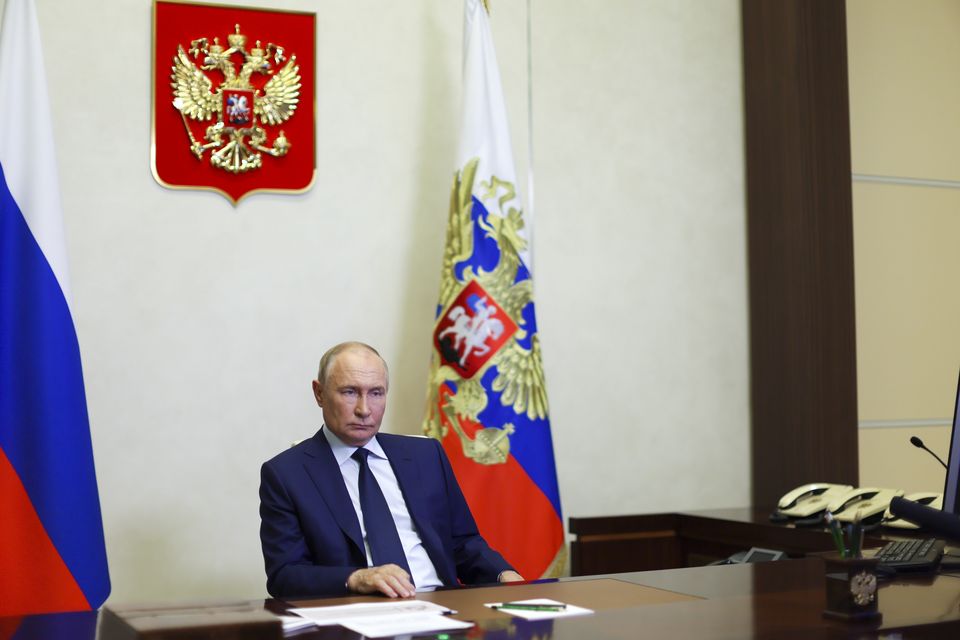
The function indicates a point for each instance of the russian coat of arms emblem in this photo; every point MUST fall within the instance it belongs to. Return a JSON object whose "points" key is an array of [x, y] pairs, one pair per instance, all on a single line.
{"points": [[486, 347], [233, 99]]}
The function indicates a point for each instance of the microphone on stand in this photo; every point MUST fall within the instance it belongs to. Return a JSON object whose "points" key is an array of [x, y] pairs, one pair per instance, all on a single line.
{"points": [[918, 443]]}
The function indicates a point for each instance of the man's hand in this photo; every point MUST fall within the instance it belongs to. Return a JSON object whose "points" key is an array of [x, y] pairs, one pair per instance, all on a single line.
{"points": [[510, 576], [388, 579]]}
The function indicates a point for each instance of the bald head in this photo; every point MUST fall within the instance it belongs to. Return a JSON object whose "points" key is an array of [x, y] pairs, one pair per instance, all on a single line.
{"points": [[328, 358]]}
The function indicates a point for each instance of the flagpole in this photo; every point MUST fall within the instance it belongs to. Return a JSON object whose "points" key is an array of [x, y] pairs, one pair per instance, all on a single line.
{"points": [[530, 213]]}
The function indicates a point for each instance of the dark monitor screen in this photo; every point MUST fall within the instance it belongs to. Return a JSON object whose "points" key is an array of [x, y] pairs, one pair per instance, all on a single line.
{"points": [[951, 489]]}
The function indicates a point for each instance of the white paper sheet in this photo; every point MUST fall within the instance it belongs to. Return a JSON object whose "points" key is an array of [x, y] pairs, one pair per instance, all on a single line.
{"points": [[378, 619], [407, 624], [568, 611], [295, 623], [333, 615]]}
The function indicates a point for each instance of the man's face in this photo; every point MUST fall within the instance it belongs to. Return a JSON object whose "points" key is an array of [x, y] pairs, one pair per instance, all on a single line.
{"points": [[354, 397]]}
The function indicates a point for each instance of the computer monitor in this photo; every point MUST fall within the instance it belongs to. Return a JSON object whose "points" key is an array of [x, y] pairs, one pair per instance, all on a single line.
{"points": [[951, 489]]}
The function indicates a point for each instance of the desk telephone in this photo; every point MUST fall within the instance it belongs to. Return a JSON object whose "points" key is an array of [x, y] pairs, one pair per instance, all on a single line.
{"points": [[810, 499], [866, 504], [846, 503]]}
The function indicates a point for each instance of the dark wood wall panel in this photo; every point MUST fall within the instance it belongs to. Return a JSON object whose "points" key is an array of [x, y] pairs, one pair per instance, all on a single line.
{"points": [[800, 245]]}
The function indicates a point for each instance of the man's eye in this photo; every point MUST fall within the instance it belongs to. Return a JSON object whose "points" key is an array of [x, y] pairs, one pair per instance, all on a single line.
{"points": [[349, 392], [376, 393]]}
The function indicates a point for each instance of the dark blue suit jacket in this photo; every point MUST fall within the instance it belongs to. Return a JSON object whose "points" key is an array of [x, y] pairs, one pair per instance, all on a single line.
{"points": [[311, 535]]}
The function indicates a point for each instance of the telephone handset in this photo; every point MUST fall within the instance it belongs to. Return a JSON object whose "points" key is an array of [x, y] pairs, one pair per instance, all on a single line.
{"points": [[866, 504], [810, 499], [932, 500]]}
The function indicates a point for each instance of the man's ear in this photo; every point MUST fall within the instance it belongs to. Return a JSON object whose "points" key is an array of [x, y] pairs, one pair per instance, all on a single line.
{"points": [[318, 393]]}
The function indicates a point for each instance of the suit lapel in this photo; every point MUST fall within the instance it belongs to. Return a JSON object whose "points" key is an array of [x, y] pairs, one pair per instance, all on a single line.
{"points": [[408, 476], [407, 471], [322, 467]]}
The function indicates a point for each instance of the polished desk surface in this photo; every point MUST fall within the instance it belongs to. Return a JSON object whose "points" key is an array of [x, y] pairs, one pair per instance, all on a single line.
{"points": [[657, 541], [770, 600]]}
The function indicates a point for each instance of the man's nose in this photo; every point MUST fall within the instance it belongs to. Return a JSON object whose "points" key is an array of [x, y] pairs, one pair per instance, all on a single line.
{"points": [[362, 408]]}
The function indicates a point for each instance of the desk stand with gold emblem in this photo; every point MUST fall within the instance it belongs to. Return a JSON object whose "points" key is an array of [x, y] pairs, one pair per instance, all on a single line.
{"points": [[852, 589]]}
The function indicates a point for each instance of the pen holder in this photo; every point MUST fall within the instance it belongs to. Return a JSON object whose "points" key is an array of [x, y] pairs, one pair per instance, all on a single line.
{"points": [[851, 588]]}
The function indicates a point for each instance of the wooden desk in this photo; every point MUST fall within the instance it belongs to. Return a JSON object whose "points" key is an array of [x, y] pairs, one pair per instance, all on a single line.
{"points": [[695, 538], [770, 600]]}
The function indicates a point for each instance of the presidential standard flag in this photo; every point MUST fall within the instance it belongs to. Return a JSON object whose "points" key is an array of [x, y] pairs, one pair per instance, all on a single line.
{"points": [[52, 555], [487, 400]]}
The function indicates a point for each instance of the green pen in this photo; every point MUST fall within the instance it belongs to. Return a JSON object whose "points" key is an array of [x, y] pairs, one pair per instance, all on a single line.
{"points": [[520, 606], [834, 527]]}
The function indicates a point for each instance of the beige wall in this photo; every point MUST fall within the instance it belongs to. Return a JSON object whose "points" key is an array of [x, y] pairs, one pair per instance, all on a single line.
{"points": [[904, 100], [200, 324]]}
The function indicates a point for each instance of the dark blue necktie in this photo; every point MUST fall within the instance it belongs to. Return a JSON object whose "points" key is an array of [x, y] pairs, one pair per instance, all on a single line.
{"points": [[382, 533]]}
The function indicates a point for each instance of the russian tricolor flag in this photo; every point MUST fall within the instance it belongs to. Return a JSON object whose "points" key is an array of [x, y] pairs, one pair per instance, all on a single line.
{"points": [[487, 400], [52, 555]]}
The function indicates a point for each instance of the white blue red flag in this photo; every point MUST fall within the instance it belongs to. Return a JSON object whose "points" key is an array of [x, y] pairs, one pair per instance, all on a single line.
{"points": [[52, 555], [487, 400]]}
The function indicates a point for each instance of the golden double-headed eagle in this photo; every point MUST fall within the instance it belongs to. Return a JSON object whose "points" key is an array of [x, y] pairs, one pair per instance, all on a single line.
{"points": [[238, 148], [519, 378]]}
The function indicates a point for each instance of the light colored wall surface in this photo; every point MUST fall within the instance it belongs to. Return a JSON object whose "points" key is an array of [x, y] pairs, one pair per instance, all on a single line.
{"points": [[903, 89], [903, 102], [200, 324], [907, 311], [910, 469]]}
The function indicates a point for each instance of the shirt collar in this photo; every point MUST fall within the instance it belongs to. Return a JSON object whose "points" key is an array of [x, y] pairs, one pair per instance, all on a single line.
{"points": [[342, 451]]}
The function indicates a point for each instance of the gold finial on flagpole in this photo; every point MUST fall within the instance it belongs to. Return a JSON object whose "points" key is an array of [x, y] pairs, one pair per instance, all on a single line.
{"points": [[486, 5]]}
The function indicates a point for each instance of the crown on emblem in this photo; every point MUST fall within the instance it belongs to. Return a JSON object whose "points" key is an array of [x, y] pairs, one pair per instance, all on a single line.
{"points": [[236, 39]]}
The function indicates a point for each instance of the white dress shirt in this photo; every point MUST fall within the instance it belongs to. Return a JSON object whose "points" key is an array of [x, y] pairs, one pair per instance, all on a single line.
{"points": [[425, 576]]}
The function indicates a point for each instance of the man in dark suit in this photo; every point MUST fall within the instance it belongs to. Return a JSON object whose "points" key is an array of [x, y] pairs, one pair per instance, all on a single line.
{"points": [[351, 510]]}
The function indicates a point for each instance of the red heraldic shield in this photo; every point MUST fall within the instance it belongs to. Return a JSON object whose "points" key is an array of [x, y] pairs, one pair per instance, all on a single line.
{"points": [[237, 107], [472, 331], [233, 99]]}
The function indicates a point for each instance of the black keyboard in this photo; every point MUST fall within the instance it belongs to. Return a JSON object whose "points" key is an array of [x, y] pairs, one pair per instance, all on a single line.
{"points": [[907, 556]]}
